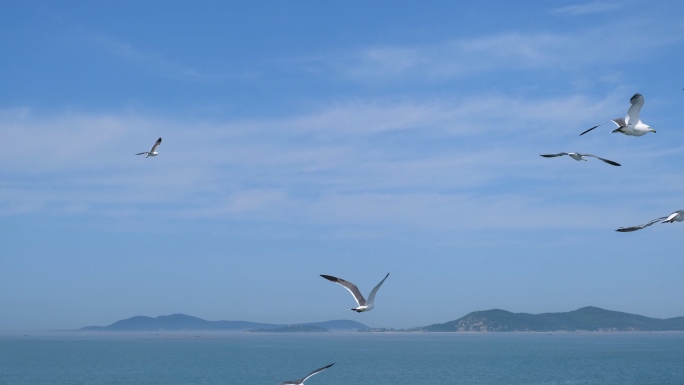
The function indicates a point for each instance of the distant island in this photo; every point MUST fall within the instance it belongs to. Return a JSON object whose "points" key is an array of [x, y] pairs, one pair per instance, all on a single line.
{"points": [[182, 322], [588, 318]]}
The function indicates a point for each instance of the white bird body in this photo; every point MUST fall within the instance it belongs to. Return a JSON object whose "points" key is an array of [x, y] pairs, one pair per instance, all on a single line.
{"points": [[577, 156], [364, 305], [631, 124], [638, 129], [301, 380], [677, 216], [153, 150]]}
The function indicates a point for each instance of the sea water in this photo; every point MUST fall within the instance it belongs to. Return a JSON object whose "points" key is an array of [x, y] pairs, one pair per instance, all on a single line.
{"points": [[360, 358]]}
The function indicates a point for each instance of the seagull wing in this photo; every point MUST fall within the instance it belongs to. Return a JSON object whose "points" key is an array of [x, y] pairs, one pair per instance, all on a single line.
{"points": [[553, 155], [156, 144], [141, 153], [635, 228], [605, 160], [620, 122], [301, 380], [349, 286], [633, 113], [371, 297], [598, 125]]}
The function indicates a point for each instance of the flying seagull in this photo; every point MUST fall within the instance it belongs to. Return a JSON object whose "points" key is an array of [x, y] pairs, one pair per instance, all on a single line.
{"points": [[363, 304], [676, 216], [578, 156], [153, 150], [630, 124], [301, 380]]}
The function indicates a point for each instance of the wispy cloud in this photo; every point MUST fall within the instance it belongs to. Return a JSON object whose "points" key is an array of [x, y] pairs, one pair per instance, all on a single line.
{"points": [[589, 8], [446, 163], [154, 63], [503, 51]]}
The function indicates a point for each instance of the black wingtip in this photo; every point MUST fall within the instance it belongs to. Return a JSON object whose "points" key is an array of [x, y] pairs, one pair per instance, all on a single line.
{"points": [[588, 130], [625, 230]]}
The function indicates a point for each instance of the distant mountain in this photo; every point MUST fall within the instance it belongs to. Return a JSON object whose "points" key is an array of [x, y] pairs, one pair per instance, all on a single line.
{"points": [[585, 319], [182, 322]]}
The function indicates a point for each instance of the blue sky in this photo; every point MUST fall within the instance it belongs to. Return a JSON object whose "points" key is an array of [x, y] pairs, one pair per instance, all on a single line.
{"points": [[353, 139]]}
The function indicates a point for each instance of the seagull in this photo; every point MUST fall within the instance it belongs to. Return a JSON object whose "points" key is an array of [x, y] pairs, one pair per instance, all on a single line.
{"points": [[578, 156], [153, 150], [630, 124], [301, 380], [363, 304], [677, 216]]}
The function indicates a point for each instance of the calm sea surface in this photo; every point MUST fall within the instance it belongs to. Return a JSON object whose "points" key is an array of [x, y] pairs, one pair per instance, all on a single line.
{"points": [[360, 358]]}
